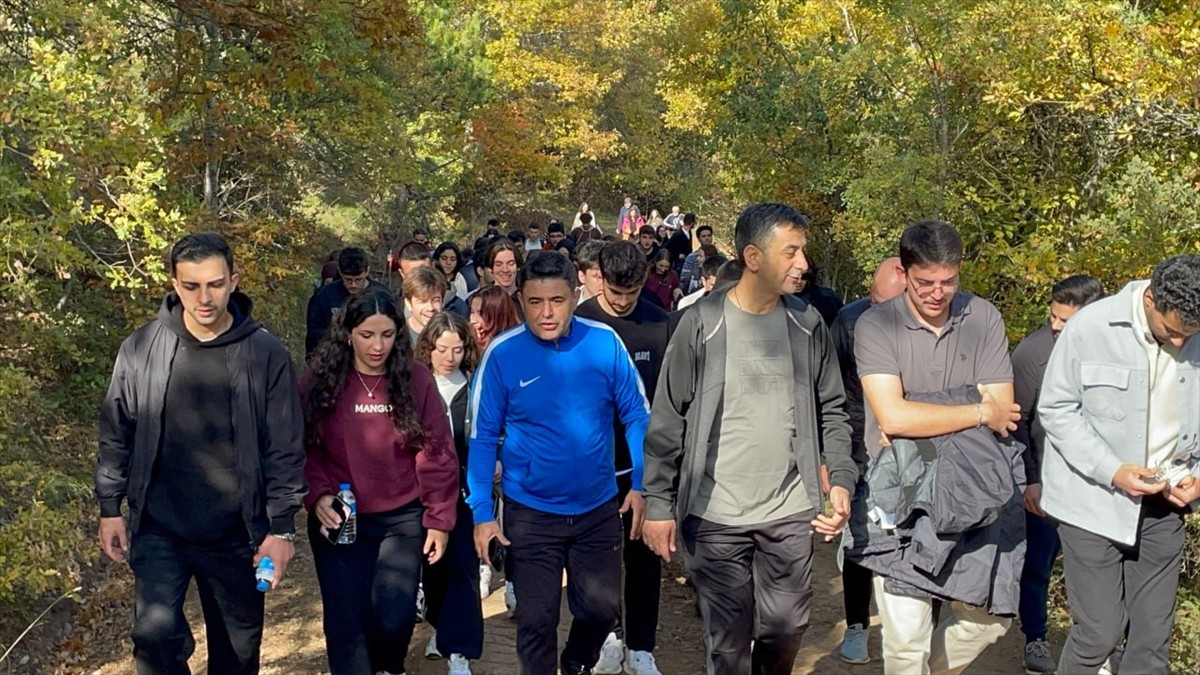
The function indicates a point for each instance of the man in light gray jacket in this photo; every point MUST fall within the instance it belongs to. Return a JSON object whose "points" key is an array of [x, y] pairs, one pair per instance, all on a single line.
{"points": [[1120, 406]]}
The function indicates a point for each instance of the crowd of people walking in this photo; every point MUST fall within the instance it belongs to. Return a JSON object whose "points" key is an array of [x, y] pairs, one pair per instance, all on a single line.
{"points": [[569, 401]]}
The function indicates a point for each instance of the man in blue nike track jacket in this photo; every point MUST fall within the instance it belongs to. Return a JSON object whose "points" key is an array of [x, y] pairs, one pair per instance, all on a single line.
{"points": [[551, 387]]}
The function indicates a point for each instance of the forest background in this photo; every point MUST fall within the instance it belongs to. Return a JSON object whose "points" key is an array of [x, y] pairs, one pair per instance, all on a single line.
{"points": [[1059, 136]]}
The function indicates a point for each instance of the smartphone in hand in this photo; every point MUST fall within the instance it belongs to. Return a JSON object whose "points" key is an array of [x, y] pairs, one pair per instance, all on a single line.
{"points": [[496, 555], [339, 507]]}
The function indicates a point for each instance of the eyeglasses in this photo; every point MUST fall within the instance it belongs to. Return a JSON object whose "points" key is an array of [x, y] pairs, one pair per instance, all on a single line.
{"points": [[925, 287]]}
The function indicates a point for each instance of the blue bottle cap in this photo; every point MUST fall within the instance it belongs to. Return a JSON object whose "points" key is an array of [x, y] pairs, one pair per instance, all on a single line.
{"points": [[343, 486], [263, 586]]}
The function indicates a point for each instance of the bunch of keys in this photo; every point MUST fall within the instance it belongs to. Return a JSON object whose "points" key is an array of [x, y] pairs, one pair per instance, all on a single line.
{"points": [[1170, 473]]}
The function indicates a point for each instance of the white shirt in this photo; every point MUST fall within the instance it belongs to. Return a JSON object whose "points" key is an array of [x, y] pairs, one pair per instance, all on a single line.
{"points": [[449, 385], [1162, 428]]}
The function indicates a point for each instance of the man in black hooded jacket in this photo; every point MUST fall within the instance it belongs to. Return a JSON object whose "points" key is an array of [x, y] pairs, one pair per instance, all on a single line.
{"points": [[354, 277], [201, 433]]}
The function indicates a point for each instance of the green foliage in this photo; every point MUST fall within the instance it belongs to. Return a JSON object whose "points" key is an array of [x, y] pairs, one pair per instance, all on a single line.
{"points": [[42, 495], [1185, 649], [123, 124], [1058, 137], [40, 538]]}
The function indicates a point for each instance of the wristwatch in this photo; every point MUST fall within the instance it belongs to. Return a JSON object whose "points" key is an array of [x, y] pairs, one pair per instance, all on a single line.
{"points": [[286, 536]]}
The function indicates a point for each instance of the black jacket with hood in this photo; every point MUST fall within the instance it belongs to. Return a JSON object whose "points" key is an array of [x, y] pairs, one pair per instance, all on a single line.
{"points": [[268, 423]]}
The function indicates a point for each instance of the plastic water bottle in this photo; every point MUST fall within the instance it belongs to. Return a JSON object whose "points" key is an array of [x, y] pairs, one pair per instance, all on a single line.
{"points": [[350, 531], [265, 574]]}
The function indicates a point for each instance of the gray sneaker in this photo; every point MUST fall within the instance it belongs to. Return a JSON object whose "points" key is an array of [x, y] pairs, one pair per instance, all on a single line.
{"points": [[854, 644], [1038, 660]]}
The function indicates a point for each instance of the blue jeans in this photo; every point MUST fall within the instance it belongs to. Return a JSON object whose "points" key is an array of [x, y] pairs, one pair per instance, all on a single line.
{"points": [[1041, 548]]}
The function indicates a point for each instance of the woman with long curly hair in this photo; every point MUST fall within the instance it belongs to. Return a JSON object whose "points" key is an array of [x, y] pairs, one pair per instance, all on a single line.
{"points": [[453, 585], [374, 420], [492, 313]]}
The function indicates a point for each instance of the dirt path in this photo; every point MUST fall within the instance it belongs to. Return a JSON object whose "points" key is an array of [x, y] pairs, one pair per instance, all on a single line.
{"points": [[294, 643]]}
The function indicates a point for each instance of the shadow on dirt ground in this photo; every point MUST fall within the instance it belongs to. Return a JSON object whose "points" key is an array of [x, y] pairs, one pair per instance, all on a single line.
{"points": [[294, 644]]}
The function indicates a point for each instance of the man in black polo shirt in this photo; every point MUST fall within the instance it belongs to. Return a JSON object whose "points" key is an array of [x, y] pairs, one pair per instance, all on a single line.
{"points": [[1029, 361], [645, 329], [823, 299]]}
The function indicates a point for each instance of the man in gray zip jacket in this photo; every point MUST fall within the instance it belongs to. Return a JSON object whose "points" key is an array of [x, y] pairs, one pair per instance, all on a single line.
{"points": [[1120, 407], [748, 404]]}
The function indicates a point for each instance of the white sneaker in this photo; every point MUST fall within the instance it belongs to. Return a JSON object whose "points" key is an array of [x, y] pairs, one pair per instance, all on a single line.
{"points": [[510, 599], [1113, 665], [459, 665], [610, 656], [640, 663], [485, 580], [431, 650]]}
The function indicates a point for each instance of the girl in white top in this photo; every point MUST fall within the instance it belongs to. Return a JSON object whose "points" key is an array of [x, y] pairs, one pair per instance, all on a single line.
{"points": [[448, 260]]}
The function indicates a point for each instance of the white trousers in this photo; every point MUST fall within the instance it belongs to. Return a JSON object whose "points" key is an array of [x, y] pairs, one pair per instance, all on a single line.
{"points": [[913, 646]]}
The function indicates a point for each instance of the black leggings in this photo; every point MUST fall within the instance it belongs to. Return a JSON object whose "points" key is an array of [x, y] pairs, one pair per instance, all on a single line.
{"points": [[452, 592], [369, 591], [856, 593]]}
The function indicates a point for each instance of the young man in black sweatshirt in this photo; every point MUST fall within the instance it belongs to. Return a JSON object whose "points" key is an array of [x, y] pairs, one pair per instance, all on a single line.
{"points": [[645, 329], [354, 278], [201, 433]]}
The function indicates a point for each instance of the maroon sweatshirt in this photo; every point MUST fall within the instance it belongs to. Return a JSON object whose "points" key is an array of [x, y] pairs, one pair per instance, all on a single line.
{"points": [[358, 444]]}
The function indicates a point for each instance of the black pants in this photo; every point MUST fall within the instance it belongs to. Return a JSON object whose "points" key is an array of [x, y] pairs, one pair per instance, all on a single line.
{"points": [[163, 568], [453, 605], [1111, 587], [754, 583], [588, 546], [857, 584], [643, 586], [369, 591]]}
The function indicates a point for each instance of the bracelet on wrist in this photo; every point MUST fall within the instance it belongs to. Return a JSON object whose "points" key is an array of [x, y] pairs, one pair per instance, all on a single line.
{"points": [[979, 406], [286, 536]]}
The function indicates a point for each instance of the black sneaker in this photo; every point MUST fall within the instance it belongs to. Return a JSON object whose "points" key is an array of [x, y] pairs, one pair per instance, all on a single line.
{"points": [[571, 668]]}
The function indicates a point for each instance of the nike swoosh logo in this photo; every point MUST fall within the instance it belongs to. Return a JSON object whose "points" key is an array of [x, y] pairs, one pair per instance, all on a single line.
{"points": [[526, 383]]}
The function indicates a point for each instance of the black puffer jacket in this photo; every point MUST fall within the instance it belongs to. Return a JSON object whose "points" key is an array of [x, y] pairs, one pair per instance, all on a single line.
{"points": [[955, 504], [268, 422]]}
